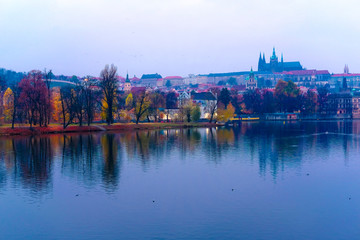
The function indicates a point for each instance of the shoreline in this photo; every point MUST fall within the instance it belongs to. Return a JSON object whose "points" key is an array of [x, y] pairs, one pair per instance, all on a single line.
{"points": [[118, 127]]}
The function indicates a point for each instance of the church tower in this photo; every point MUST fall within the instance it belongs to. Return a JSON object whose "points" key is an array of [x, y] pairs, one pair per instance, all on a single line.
{"points": [[274, 62], [260, 63], [127, 85]]}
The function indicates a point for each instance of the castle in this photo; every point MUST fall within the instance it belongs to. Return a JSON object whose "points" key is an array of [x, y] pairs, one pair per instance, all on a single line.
{"points": [[275, 66]]}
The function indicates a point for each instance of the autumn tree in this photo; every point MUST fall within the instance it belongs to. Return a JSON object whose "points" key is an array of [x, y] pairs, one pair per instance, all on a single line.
{"points": [[8, 101], [56, 104], [109, 85], [224, 115], [142, 105], [309, 103], [253, 101], [91, 98], [185, 111], [195, 113], [67, 105], [157, 101], [212, 108], [224, 97], [286, 95], [171, 100], [323, 93], [35, 98]]}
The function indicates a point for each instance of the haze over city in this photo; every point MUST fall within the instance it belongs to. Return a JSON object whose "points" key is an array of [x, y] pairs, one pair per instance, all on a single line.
{"points": [[176, 37]]}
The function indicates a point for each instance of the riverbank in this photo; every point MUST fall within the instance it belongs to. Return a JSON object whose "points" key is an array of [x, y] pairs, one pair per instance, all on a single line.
{"points": [[118, 127]]}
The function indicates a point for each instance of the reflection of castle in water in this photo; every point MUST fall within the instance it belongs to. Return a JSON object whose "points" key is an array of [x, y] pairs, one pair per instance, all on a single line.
{"points": [[95, 159]]}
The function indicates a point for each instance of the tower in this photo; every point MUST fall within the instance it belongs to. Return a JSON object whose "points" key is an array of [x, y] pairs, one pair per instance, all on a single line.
{"points": [[127, 85], [274, 62], [260, 63], [251, 81]]}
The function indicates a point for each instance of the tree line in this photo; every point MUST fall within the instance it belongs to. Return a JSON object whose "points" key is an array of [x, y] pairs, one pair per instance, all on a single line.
{"points": [[33, 101]]}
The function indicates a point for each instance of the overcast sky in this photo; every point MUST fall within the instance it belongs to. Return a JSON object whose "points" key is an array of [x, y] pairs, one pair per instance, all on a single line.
{"points": [[176, 37]]}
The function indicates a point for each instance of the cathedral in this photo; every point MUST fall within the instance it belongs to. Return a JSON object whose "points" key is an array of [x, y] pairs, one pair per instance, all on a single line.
{"points": [[275, 66]]}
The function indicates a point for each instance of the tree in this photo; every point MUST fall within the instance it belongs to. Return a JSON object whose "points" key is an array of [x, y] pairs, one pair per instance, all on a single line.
{"points": [[67, 105], [90, 97], [171, 100], [212, 107], [56, 103], [109, 85], [8, 101], [157, 101], [35, 99], [142, 105], [309, 102], [78, 94], [195, 113], [253, 101], [168, 84], [232, 81], [185, 111], [129, 102], [286, 95], [224, 97], [224, 115], [268, 105], [323, 93]]}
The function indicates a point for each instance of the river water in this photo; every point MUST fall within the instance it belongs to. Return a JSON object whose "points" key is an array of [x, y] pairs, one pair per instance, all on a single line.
{"points": [[273, 180]]}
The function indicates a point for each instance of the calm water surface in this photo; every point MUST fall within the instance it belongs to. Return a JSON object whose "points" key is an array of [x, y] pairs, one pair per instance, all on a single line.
{"points": [[258, 181]]}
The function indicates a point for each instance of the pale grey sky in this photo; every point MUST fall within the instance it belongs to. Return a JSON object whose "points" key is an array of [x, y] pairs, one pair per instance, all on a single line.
{"points": [[176, 37]]}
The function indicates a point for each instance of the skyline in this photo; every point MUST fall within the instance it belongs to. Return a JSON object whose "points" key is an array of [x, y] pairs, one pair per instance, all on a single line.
{"points": [[175, 37]]}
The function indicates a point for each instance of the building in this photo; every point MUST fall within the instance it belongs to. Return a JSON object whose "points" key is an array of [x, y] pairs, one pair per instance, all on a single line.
{"points": [[127, 84], [251, 81], [275, 66], [308, 78], [151, 80], [183, 98], [206, 100], [353, 79], [340, 104], [174, 80]]}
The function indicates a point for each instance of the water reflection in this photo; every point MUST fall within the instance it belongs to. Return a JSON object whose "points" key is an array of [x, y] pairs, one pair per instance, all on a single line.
{"points": [[93, 159]]}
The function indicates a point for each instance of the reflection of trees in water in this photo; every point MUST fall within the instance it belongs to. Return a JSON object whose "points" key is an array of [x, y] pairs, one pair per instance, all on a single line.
{"points": [[97, 158], [29, 161], [91, 157], [111, 171], [79, 158]]}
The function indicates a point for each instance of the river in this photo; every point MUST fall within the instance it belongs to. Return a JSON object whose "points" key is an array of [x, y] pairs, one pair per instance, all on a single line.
{"points": [[261, 180]]}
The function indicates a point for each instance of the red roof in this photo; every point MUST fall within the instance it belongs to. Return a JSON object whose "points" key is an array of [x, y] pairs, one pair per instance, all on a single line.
{"points": [[307, 72], [134, 79], [346, 75], [173, 77]]}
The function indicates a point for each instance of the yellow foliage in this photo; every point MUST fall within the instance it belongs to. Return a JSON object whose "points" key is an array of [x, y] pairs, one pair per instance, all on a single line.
{"points": [[8, 102], [224, 115], [56, 102]]}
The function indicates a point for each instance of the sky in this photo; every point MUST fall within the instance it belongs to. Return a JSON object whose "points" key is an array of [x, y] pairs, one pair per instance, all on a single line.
{"points": [[176, 37]]}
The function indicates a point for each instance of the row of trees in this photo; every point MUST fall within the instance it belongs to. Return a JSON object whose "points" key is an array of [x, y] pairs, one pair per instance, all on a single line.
{"points": [[286, 97], [32, 100]]}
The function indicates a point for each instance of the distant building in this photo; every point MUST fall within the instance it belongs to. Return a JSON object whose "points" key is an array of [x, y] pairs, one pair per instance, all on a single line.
{"points": [[308, 78], [174, 80], [127, 84], [251, 81], [150, 80], [275, 66], [353, 79]]}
